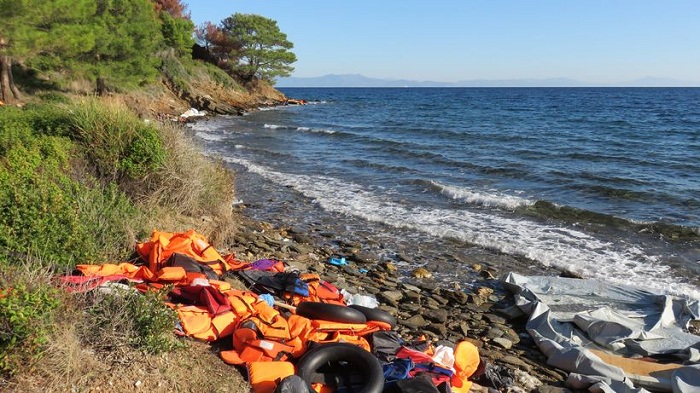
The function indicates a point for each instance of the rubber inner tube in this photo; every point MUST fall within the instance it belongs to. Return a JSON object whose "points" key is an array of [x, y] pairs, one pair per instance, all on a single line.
{"points": [[342, 365], [375, 314], [330, 312]]}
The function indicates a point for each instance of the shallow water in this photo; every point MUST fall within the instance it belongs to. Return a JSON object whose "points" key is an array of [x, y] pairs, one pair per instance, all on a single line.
{"points": [[599, 181]]}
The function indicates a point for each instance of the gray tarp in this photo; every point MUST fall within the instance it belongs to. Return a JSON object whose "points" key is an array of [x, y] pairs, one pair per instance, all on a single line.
{"points": [[567, 317]]}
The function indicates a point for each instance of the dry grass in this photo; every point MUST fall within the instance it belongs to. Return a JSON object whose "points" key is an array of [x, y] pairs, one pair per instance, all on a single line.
{"points": [[72, 367], [78, 359], [191, 185]]}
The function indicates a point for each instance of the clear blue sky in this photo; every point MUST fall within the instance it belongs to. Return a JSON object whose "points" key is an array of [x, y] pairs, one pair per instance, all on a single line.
{"points": [[592, 41]]}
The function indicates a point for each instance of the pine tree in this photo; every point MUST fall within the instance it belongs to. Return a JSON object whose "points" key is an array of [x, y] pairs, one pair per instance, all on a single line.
{"points": [[263, 50]]}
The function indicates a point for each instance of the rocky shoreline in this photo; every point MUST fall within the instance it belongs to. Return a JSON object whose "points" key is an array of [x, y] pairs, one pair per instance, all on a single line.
{"points": [[444, 313]]}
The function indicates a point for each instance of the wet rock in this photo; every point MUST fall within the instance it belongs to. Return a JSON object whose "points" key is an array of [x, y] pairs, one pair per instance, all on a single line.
{"points": [[409, 287], [364, 257], [441, 300], [457, 296], [425, 285], [388, 267], [403, 257]]}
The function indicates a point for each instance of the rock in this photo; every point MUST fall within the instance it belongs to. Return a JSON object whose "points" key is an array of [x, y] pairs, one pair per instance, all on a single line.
{"points": [[414, 322], [439, 316], [437, 328], [388, 267], [364, 257], [409, 287], [390, 297], [552, 389], [494, 318], [421, 273], [494, 333], [411, 296], [441, 300], [515, 361], [503, 342]]}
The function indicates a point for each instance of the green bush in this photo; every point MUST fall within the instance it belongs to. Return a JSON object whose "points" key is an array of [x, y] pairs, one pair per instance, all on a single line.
{"points": [[45, 211], [119, 145], [127, 316], [26, 313], [175, 72]]}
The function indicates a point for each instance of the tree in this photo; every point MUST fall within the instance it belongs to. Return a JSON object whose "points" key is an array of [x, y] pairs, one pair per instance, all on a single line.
{"points": [[173, 7], [216, 45], [176, 27], [263, 50], [33, 28], [127, 34]]}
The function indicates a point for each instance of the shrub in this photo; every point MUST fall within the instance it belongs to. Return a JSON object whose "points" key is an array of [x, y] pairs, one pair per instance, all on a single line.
{"points": [[190, 183], [26, 313], [121, 147], [43, 210], [142, 321]]}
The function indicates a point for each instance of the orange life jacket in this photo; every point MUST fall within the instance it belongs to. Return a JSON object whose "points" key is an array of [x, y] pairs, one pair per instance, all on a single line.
{"points": [[265, 376], [319, 291], [466, 363], [164, 244]]}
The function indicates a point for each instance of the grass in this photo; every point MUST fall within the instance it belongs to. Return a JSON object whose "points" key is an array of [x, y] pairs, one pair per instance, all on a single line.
{"points": [[83, 182]]}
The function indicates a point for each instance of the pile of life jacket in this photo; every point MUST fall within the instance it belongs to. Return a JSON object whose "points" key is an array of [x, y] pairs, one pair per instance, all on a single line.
{"points": [[264, 338]]}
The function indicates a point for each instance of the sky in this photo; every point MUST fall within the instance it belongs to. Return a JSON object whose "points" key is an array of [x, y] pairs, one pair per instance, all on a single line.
{"points": [[591, 41]]}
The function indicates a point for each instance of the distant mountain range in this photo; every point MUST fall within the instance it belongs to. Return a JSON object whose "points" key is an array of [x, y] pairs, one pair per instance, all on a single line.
{"points": [[357, 80]]}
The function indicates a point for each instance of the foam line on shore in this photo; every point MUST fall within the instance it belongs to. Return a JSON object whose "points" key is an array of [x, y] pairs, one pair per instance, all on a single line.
{"points": [[548, 245]]}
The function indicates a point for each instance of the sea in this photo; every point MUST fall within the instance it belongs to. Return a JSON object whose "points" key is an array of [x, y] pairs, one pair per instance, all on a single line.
{"points": [[601, 182]]}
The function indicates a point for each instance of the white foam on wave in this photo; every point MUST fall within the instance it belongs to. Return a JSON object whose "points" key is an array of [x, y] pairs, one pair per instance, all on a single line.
{"points": [[554, 246], [275, 126], [498, 200], [209, 136], [205, 126]]}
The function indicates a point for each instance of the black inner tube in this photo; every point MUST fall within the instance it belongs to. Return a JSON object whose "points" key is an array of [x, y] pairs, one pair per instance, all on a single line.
{"points": [[342, 365]]}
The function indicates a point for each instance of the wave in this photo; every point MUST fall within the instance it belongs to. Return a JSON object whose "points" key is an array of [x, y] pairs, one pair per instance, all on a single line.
{"points": [[548, 210], [210, 136], [495, 199], [547, 244]]}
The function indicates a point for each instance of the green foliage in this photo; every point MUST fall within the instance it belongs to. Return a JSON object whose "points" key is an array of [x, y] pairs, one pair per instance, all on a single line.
{"points": [[119, 145], [175, 72], [220, 76], [26, 312], [263, 49], [125, 315], [43, 210], [36, 27], [37, 212], [177, 33]]}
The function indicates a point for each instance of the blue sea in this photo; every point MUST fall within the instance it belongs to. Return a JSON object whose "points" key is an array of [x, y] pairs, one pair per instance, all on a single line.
{"points": [[604, 182]]}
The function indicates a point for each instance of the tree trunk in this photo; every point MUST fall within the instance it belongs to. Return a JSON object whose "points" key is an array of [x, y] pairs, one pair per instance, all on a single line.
{"points": [[8, 91], [13, 87], [101, 86], [5, 92]]}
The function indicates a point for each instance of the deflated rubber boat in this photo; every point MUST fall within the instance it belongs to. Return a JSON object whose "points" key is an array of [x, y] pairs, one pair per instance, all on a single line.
{"points": [[611, 338]]}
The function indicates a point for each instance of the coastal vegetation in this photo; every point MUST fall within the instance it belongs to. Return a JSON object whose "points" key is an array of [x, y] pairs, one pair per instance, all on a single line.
{"points": [[91, 162]]}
